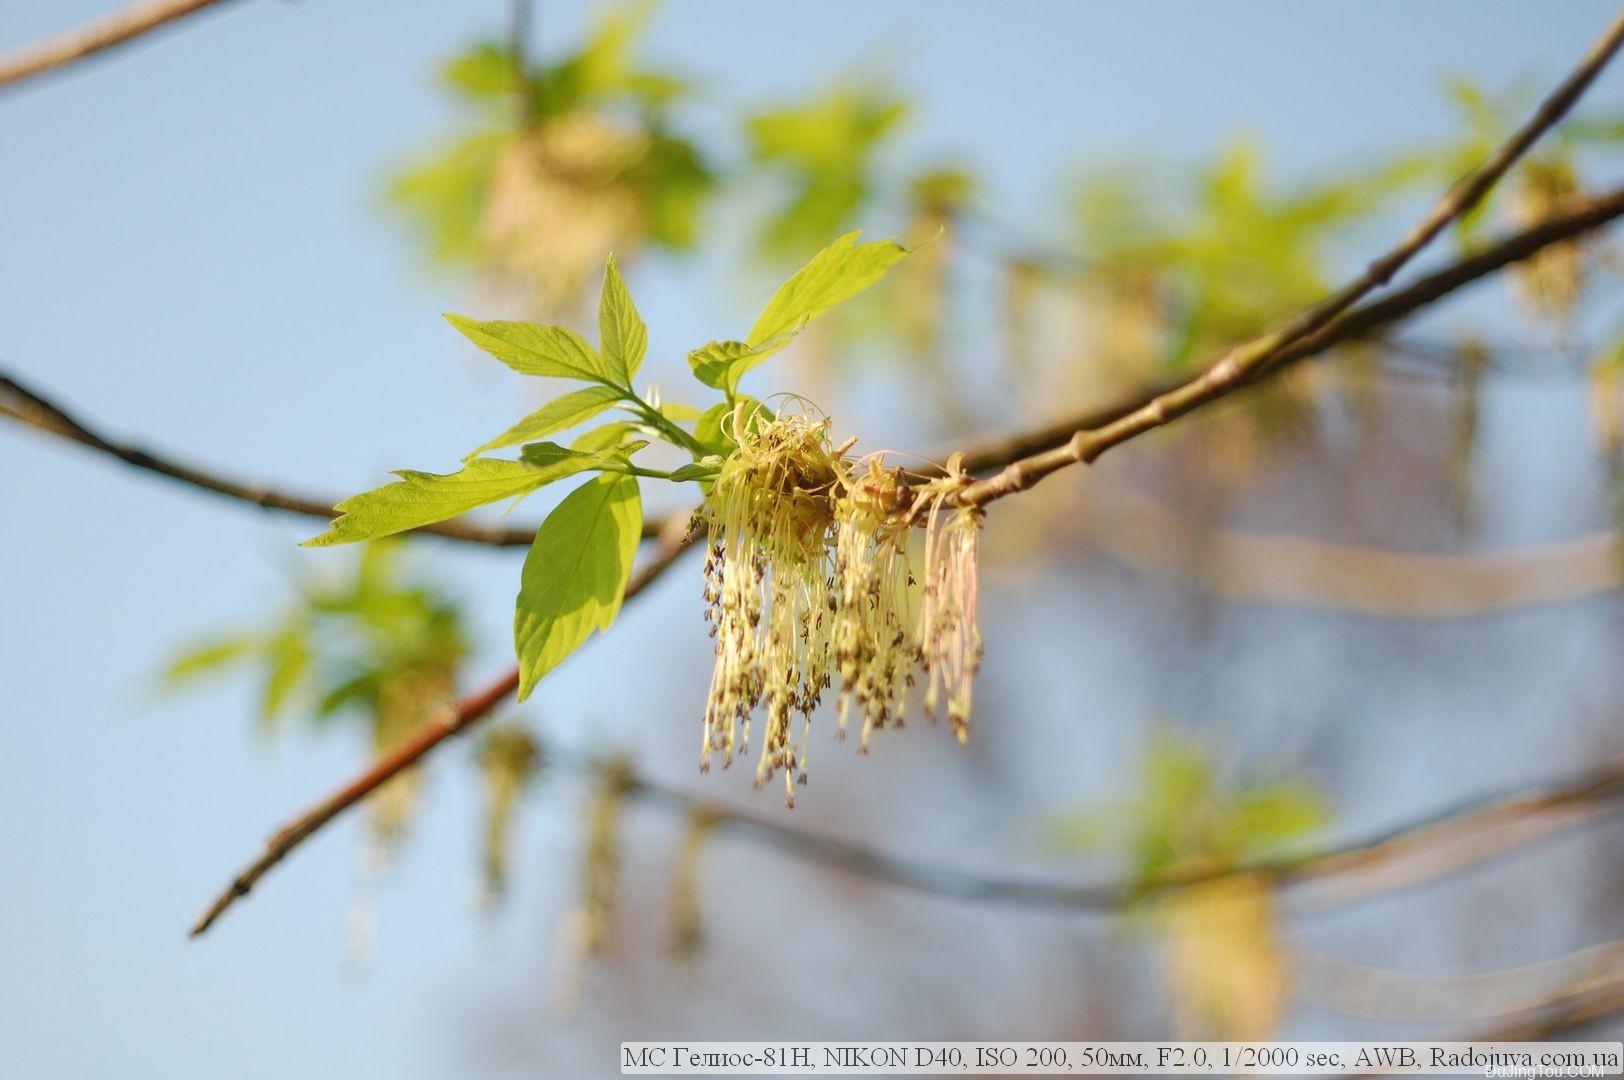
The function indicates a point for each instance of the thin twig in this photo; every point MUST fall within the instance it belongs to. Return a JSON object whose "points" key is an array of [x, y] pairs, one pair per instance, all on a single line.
{"points": [[454, 719], [103, 34], [1245, 361]]}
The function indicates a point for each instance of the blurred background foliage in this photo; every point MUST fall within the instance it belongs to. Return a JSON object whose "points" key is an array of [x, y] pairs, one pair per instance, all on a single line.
{"points": [[561, 162], [1225, 967], [370, 646], [1157, 265], [1150, 269]]}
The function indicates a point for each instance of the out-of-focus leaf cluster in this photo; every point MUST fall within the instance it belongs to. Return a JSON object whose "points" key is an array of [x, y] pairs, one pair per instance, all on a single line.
{"points": [[369, 645], [377, 646], [1226, 970], [561, 162], [1185, 812]]}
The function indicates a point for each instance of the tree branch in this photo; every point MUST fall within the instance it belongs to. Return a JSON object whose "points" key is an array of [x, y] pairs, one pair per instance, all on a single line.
{"points": [[1477, 821], [1249, 567], [1372, 993], [30, 407], [103, 34], [1484, 827], [1247, 360], [1457, 201], [454, 719], [1031, 456], [1576, 1007]]}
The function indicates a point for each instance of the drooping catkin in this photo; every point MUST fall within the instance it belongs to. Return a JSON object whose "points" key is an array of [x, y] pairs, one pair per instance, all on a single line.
{"points": [[686, 932], [807, 584]]}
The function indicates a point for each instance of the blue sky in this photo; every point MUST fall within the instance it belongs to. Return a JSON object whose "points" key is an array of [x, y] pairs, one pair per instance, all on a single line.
{"points": [[192, 252]]}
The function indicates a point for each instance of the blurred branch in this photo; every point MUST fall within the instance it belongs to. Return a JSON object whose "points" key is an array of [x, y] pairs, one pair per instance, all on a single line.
{"points": [[1575, 1007], [453, 719], [1472, 823], [1248, 360], [1571, 1008], [1475, 826], [1276, 568], [85, 41], [520, 14], [521, 21], [1354, 989]]}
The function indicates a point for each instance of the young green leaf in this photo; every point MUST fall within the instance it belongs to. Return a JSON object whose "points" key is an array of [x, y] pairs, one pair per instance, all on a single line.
{"points": [[550, 455], [420, 498], [698, 470], [838, 272], [530, 349], [619, 458], [622, 334], [713, 364], [484, 72], [576, 573], [211, 658], [605, 436], [565, 412], [288, 657], [676, 410]]}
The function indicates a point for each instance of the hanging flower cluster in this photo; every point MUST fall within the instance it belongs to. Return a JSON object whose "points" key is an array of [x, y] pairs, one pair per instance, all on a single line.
{"points": [[560, 195], [810, 588]]}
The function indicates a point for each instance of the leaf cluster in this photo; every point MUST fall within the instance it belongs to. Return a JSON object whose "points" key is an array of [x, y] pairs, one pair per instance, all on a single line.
{"points": [[575, 574]]}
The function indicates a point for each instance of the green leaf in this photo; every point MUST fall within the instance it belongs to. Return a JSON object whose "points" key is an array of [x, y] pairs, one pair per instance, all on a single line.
{"points": [[715, 364], [698, 470], [565, 412], [209, 659], [530, 349], [622, 334], [420, 498], [619, 458], [676, 410], [483, 72], [288, 659], [1268, 815], [362, 688], [838, 272], [446, 193], [607, 459], [575, 575], [549, 455], [1596, 129], [606, 436]]}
